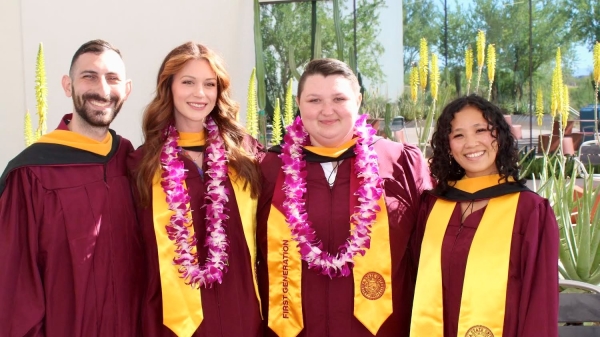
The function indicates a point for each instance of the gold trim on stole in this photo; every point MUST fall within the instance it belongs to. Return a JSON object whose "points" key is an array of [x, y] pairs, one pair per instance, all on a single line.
{"points": [[182, 304], [372, 274], [483, 299]]}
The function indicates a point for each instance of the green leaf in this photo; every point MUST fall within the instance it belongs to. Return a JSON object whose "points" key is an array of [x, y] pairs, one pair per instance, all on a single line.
{"points": [[292, 63], [339, 36], [258, 54], [317, 50]]}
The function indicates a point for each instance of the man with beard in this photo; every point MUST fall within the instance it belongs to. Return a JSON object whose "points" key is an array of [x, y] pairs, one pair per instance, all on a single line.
{"points": [[70, 254]]}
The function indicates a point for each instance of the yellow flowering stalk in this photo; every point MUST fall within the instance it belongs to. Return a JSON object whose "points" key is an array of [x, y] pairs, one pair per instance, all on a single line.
{"points": [[252, 109], [557, 88], [469, 66], [29, 139], [565, 106], [539, 107], [276, 137], [491, 67], [597, 64], [596, 75], [288, 112], [480, 56], [41, 93], [423, 64], [414, 84], [434, 77]]}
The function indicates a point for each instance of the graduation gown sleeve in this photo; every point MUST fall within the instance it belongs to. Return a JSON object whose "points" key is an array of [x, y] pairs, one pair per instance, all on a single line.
{"points": [[538, 303], [21, 290]]}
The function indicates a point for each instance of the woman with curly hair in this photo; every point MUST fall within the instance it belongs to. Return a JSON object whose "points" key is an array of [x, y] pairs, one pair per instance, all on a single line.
{"points": [[196, 183], [488, 245]]}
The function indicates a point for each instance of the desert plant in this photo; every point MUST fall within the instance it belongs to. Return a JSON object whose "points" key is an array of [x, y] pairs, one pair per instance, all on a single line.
{"points": [[469, 67], [251, 110], [277, 133], [491, 68], [596, 79], [480, 56], [41, 101]]}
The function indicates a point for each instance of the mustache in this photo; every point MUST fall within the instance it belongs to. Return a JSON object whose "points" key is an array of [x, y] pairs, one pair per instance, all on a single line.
{"points": [[97, 97]]}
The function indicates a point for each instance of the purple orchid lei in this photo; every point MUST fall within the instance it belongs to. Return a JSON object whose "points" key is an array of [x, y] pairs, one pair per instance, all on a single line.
{"points": [[178, 199], [294, 187]]}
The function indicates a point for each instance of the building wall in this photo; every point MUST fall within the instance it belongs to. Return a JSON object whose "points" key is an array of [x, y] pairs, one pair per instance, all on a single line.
{"points": [[144, 31]]}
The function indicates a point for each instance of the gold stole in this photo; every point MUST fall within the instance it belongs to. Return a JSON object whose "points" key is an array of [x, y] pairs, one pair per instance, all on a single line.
{"points": [[483, 299], [78, 141], [182, 304], [372, 273]]}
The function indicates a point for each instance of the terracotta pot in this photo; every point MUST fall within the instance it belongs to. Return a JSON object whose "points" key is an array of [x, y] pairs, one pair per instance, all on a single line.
{"points": [[568, 128], [569, 144]]}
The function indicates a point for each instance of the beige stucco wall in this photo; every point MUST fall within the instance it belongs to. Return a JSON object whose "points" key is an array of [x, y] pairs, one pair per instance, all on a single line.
{"points": [[145, 31]]}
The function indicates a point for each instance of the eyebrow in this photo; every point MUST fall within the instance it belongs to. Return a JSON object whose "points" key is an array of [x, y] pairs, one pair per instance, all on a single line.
{"points": [[93, 72], [474, 126], [193, 77]]}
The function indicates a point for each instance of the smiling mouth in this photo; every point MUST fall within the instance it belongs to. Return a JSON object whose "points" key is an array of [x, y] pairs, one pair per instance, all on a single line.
{"points": [[197, 105], [100, 104], [475, 154]]}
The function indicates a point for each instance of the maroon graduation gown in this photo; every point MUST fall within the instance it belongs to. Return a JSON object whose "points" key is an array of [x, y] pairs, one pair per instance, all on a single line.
{"points": [[532, 293], [70, 250], [328, 304], [230, 308]]}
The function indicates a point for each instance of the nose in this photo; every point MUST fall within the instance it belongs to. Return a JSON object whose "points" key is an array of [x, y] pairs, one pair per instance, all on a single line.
{"points": [[199, 90], [327, 108], [104, 88], [470, 141]]}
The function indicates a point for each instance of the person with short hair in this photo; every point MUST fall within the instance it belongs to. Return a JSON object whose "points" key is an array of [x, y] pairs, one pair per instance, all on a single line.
{"points": [[335, 215], [70, 247], [488, 245], [196, 183]]}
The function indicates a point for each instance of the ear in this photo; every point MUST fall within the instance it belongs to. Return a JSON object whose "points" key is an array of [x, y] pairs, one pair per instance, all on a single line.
{"points": [[67, 85], [127, 88], [297, 101], [359, 99]]}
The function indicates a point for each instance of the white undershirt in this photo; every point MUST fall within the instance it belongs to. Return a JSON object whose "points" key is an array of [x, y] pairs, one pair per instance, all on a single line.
{"points": [[330, 170]]}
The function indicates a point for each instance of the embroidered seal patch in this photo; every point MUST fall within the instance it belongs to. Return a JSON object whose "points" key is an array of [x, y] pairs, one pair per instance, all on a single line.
{"points": [[479, 331], [372, 286]]}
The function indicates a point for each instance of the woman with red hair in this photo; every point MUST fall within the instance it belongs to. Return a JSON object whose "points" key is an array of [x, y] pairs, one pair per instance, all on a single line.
{"points": [[196, 183]]}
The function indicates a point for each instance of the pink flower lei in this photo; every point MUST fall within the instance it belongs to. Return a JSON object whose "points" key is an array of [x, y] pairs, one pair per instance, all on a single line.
{"points": [[294, 187], [178, 199]]}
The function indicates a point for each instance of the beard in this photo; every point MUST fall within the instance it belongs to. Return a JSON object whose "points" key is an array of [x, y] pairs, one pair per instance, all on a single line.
{"points": [[97, 117]]}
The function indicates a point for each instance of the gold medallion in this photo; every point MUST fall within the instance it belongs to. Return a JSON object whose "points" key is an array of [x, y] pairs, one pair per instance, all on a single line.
{"points": [[372, 286], [479, 331]]}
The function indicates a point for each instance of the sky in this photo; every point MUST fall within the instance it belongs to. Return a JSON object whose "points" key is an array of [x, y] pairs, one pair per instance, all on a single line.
{"points": [[584, 64]]}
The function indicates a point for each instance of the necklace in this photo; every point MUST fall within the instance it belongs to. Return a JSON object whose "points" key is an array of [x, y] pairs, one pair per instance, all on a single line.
{"points": [[363, 217], [180, 226], [195, 160]]}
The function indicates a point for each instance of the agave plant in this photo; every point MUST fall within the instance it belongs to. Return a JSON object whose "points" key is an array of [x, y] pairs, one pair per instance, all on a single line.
{"points": [[574, 207], [579, 251]]}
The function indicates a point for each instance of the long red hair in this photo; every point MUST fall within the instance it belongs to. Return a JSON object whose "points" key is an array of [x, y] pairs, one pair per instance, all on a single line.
{"points": [[159, 114]]}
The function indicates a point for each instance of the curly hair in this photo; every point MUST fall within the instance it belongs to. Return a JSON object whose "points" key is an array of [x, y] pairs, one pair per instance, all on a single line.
{"points": [[445, 169], [159, 114]]}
